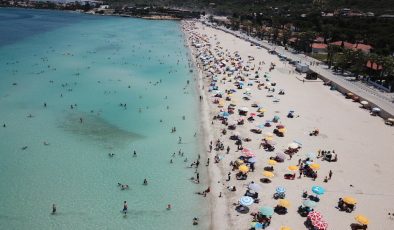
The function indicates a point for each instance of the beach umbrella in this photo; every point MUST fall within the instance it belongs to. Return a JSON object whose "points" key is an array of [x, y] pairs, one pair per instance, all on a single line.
{"points": [[260, 126], [268, 134], [349, 200], [376, 109], [239, 161], [361, 219], [245, 150], [252, 160], [257, 225], [309, 203], [244, 109], [253, 114], [285, 228], [318, 190], [269, 138], [276, 117], [284, 203], [320, 225], [250, 154], [293, 168], [266, 211], [314, 166], [272, 162], [315, 216], [282, 130], [262, 110], [293, 145], [268, 174], [364, 102], [255, 187], [311, 155], [243, 168], [224, 114], [280, 189], [281, 156], [308, 162], [280, 126], [246, 201]]}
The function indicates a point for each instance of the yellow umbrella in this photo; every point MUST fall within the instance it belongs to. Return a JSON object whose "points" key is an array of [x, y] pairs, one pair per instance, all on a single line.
{"points": [[362, 219], [268, 174], [272, 162], [315, 166], [284, 203], [285, 228], [293, 167], [262, 110], [239, 161], [349, 200], [269, 138], [243, 168], [221, 103], [282, 130], [269, 134]]}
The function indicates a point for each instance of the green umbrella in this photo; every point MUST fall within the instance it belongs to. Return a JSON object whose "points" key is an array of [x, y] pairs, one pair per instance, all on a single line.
{"points": [[266, 211]]}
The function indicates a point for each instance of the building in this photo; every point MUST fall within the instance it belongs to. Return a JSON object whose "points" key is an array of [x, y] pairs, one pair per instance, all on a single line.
{"points": [[319, 48]]}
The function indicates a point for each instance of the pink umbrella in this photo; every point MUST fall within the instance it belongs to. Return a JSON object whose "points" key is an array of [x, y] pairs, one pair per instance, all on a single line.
{"points": [[321, 225], [245, 150], [315, 216], [252, 114], [250, 154]]}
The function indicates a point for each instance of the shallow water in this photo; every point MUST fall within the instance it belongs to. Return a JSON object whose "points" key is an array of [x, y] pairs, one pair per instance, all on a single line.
{"points": [[84, 67]]}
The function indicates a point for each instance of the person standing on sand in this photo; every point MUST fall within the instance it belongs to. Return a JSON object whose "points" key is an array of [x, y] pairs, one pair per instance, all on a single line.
{"points": [[207, 162], [329, 174], [228, 176]]}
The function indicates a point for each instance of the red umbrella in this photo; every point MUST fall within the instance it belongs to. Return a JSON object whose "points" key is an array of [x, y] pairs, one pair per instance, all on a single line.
{"points": [[315, 216], [245, 150], [321, 225], [252, 114], [280, 126]]}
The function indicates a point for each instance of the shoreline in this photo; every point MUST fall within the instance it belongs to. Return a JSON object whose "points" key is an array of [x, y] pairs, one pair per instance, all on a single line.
{"points": [[218, 210]]}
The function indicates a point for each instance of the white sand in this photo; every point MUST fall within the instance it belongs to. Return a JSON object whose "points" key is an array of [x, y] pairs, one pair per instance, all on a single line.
{"points": [[365, 146]]}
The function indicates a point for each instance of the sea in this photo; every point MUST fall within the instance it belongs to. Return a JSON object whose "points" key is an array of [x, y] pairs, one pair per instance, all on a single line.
{"points": [[78, 95]]}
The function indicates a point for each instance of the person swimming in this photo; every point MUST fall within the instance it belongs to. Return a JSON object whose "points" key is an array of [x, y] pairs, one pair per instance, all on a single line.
{"points": [[53, 209], [145, 182], [125, 207]]}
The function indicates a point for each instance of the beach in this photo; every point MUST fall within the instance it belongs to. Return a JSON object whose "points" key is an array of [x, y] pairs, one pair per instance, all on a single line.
{"points": [[361, 142]]}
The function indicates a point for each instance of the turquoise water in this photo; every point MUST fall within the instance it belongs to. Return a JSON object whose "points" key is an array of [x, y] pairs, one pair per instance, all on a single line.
{"points": [[95, 64]]}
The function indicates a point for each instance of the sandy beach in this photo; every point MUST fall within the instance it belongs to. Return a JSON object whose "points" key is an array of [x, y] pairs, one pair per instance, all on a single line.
{"points": [[362, 143]]}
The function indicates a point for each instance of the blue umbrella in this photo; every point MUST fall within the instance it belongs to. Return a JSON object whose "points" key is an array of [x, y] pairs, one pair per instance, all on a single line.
{"points": [[318, 190], [246, 200], [252, 160], [260, 126], [276, 117], [309, 203], [224, 114], [258, 226], [280, 189], [266, 211]]}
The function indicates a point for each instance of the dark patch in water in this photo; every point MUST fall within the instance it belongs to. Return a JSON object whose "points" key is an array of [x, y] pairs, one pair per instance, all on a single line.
{"points": [[98, 129]]}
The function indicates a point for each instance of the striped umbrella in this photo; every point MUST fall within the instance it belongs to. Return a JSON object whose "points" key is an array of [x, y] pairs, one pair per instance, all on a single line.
{"points": [[280, 189], [320, 225], [246, 200]]}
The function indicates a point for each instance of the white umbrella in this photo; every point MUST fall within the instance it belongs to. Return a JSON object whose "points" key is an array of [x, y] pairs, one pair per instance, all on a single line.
{"points": [[245, 109], [246, 200], [255, 187], [293, 145], [364, 102]]}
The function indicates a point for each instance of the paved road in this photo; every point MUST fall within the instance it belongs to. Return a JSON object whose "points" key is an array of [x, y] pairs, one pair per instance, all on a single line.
{"points": [[383, 100]]}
